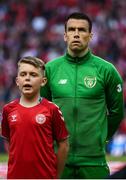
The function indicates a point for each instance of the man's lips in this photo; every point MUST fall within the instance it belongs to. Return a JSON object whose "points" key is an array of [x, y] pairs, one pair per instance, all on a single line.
{"points": [[76, 42]]}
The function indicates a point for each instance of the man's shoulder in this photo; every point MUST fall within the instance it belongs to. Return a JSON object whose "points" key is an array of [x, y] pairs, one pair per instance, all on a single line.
{"points": [[102, 62], [55, 61], [105, 67]]}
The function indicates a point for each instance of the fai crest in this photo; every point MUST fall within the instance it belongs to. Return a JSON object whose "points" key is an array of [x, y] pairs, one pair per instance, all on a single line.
{"points": [[40, 118], [90, 82]]}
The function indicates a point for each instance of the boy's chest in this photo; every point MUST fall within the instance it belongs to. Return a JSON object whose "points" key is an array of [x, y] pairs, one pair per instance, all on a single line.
{"points": [[24, 119]]}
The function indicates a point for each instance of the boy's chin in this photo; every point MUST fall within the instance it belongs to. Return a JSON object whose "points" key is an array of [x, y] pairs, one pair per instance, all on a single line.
{"points": [[28, 95]]}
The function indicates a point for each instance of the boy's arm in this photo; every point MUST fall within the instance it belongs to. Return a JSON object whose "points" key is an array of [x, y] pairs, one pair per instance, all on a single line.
{"points": [[61, 136], [4, 129], [63, 148]]}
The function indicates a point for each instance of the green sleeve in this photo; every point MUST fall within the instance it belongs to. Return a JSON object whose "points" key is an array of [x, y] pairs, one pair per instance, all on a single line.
{"points": [[114, 100], [45, 90]]}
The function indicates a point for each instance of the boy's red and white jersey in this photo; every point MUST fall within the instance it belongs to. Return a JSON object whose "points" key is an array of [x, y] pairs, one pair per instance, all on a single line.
{"points": [[31, 133]]}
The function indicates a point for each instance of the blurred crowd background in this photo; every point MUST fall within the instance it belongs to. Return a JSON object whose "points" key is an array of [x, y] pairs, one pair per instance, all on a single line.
{"points": [[36, 27]]}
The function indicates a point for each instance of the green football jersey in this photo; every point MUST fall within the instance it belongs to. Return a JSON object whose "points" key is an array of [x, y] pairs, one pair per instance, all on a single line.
{"points": [[88, 91]]}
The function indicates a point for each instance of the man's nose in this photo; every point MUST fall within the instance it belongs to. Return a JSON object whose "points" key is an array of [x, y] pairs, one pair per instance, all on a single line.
{"points": [[76, 34]]}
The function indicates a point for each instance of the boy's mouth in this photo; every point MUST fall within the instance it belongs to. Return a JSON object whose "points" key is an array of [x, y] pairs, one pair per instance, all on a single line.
{"points": [[27, 85]]}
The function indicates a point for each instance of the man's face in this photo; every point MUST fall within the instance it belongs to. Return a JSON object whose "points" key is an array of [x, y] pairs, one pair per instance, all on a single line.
{"points": [[29, 80], [77, 36]]}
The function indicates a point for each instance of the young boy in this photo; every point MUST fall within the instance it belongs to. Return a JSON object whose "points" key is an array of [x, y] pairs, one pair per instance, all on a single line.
{"points": [[31, 124]]}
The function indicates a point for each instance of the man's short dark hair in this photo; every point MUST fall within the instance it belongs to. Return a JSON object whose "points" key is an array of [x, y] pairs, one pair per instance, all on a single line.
{"points": [[78, 15]]}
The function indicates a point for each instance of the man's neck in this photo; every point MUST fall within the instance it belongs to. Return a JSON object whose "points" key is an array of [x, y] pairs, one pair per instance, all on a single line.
{"points": [[77, 54]]}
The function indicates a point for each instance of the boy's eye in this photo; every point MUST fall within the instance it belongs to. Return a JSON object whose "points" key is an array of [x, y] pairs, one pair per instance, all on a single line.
{"points": [[22, 74], [31, 74], [34, 74]]}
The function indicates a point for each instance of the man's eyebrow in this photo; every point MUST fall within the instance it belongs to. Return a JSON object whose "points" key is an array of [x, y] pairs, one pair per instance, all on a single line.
{"points": [[71, 27], [79, 28]]}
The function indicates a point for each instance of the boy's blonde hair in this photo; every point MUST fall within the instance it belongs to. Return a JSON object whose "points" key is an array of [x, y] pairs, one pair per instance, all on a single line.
{"points": [[36, 62]]}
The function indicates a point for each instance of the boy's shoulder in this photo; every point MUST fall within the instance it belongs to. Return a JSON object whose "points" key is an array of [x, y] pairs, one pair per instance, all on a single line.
{"points": [[11, 104], [49, 104]]}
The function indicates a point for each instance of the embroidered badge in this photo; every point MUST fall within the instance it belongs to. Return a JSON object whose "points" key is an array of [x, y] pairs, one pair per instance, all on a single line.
{"points": [[90, 82], [40, 118]]}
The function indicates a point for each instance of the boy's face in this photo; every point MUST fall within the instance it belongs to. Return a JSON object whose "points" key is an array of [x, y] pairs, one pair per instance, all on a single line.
{"points": [[29, 80]]}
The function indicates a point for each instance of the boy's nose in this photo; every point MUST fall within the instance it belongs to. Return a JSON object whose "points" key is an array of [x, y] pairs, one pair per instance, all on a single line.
{"points": [[27, 77]]}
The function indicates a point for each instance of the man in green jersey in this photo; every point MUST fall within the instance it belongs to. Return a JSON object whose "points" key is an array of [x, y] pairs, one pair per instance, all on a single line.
{"points": [[88, 90]]}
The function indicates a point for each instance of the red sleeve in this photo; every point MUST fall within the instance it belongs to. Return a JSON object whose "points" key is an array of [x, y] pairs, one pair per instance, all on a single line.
{"points": [[59, 127], [5, 125]]}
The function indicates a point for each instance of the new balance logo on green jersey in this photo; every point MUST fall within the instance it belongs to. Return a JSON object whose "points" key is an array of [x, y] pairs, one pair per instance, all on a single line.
{"points": [[62, 81]]}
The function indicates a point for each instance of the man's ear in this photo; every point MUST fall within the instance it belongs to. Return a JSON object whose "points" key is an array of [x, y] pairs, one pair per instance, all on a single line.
{"points": [[44, 81], [65, 37], [91, 36]]}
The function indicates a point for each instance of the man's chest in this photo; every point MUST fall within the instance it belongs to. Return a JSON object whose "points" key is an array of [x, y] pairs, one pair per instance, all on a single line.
{"points": [[80, 81]]}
